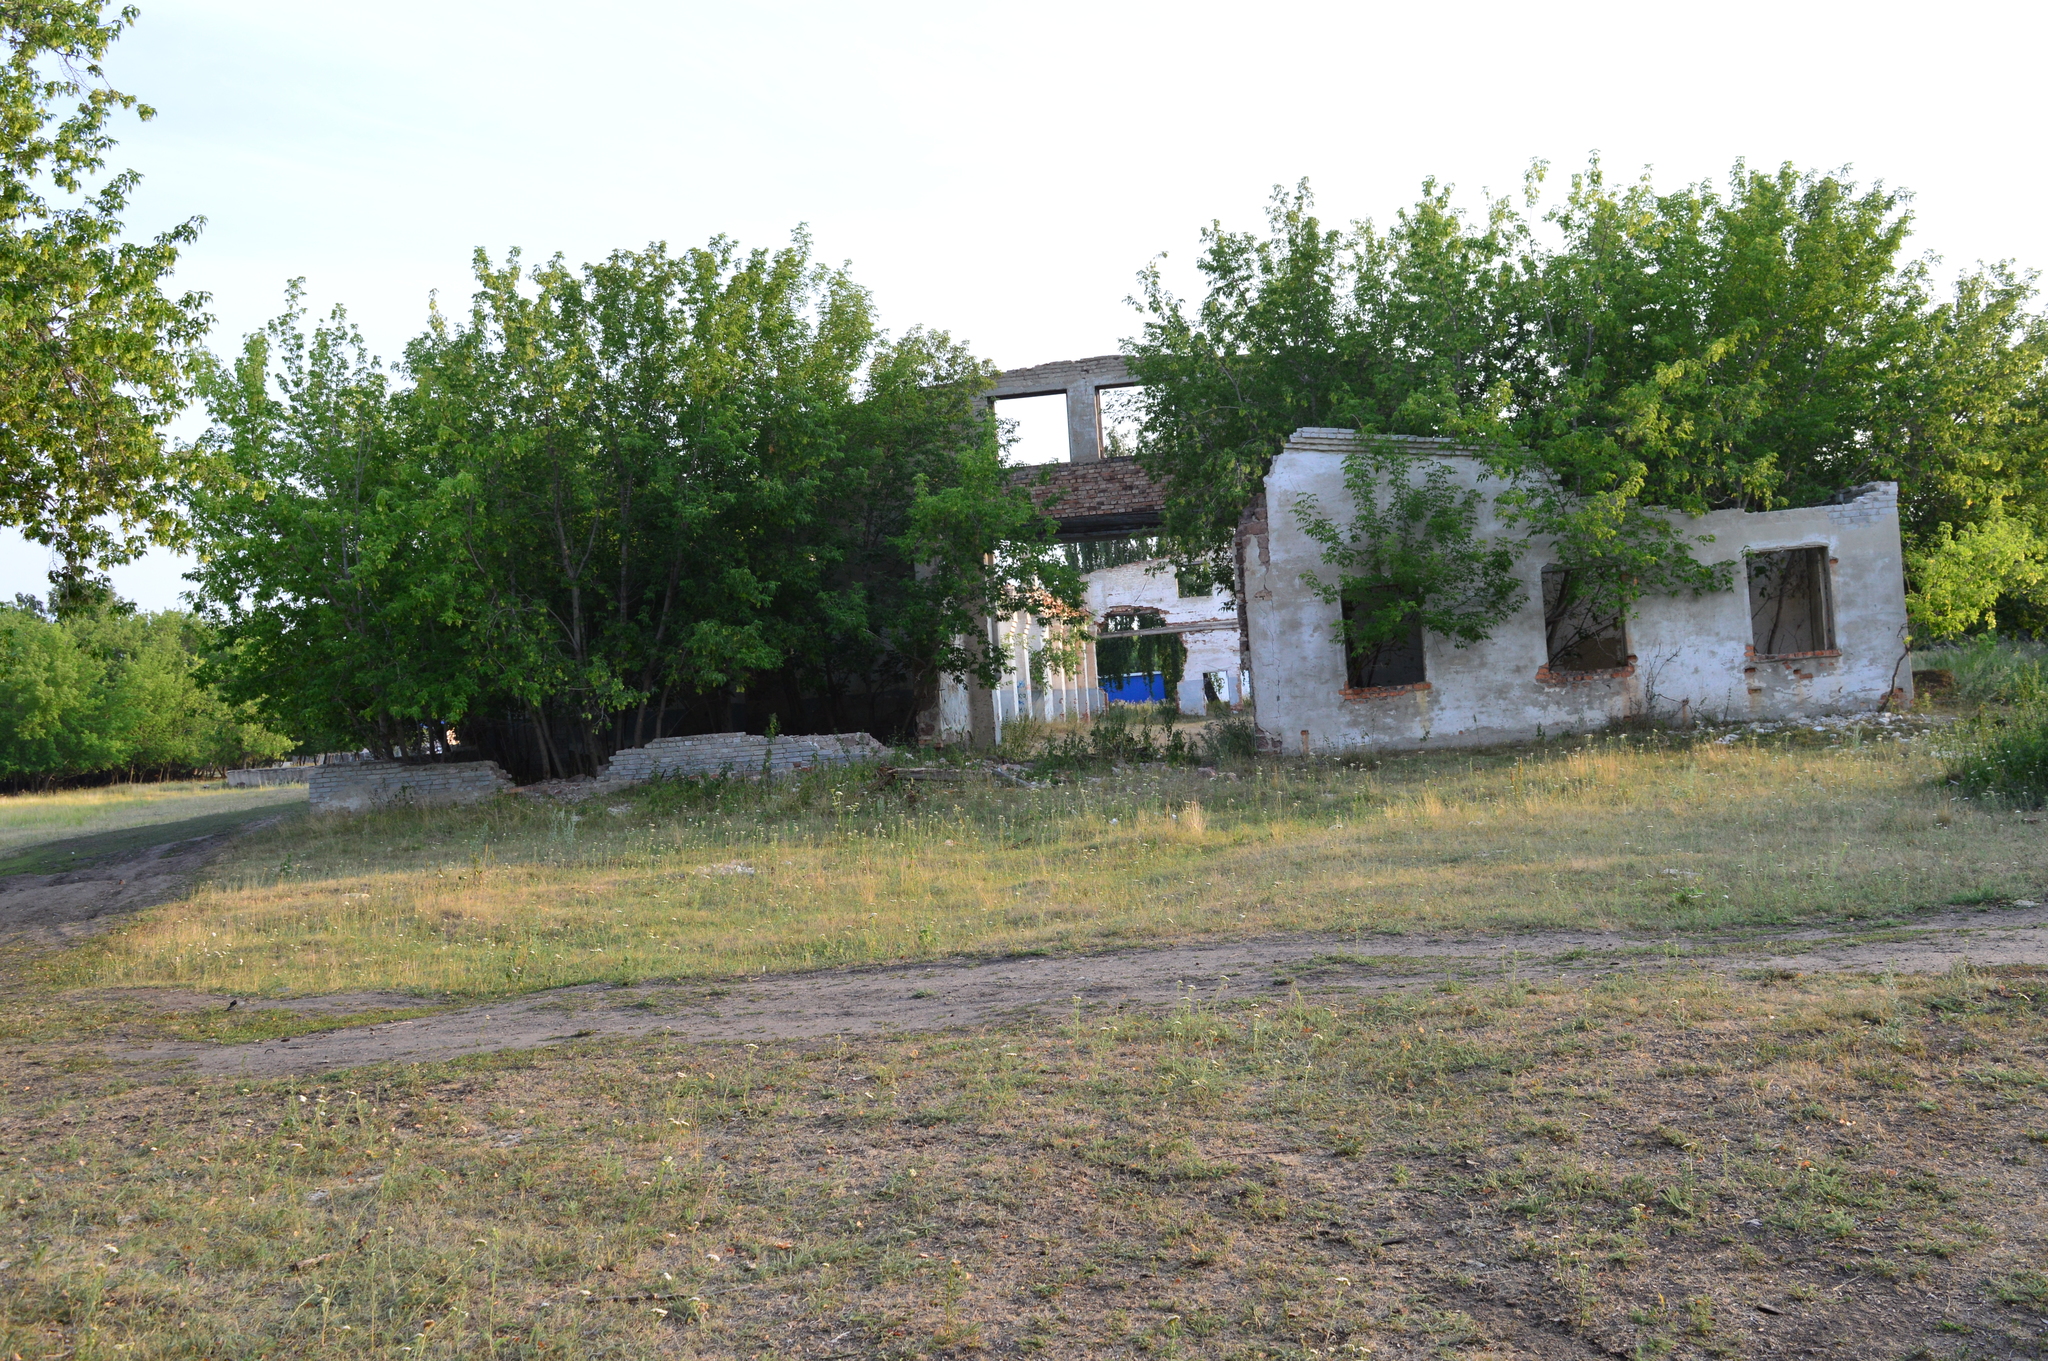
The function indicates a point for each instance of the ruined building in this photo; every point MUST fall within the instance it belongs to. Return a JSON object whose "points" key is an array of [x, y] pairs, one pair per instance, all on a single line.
{"points": [[1107, 511], [1815, 621]]}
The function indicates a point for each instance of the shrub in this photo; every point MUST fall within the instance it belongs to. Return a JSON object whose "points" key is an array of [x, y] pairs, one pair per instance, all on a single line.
{"points": [[2005, 753], [1992, 670], [1121, 734], [1230, 741]]}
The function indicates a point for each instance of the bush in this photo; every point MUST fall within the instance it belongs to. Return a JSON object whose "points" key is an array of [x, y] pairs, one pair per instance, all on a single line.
{"points": [[1122, 734], [1230, 741], [1992, 670], [2005, 753]]}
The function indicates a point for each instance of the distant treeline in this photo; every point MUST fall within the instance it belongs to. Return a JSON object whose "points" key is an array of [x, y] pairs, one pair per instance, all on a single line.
{"points": [[112, 693]]}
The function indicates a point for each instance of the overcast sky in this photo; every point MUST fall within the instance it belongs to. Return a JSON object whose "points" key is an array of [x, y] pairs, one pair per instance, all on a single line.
{"points": [[998, 171]]}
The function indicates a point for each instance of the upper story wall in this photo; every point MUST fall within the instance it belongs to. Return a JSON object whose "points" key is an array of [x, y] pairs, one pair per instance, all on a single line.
{"points": [[1690, 654]]}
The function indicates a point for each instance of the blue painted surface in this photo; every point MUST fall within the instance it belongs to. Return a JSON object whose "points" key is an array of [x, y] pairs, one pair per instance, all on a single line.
{"points": [[1138, 689]]}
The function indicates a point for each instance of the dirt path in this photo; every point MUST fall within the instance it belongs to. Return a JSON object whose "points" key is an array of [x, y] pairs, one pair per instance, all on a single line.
{"points": [[954, 994], [59, 909]]}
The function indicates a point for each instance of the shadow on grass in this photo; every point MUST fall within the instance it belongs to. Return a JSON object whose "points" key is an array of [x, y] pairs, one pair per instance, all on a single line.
{"points": [[82, 852]]}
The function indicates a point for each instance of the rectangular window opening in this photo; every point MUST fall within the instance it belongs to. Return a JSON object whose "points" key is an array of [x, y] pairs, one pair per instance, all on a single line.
{"points": [[1579, 637], [1119, 413], [1393, 661], [1791, 603], [1094, 555], [1034, 429]]}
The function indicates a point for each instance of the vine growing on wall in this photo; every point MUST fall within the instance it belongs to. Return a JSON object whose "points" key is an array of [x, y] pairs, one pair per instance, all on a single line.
{"points": [[1411, 555]]}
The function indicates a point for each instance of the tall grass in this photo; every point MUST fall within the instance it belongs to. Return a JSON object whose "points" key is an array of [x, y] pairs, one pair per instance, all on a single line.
{"points": [[2001, 750], [2002, 753], [1990, 670], [691, 880]]}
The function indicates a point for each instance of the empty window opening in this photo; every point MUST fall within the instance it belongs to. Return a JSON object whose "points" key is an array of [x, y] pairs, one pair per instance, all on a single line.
{"points": [[1791, 607], [1580, 636], [1382, 642], [1121, 413], [1093, 555], [1148, 665], [1222, 691], [1034, 429]]}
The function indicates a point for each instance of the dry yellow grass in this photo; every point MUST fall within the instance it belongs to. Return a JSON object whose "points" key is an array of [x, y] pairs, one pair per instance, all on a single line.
{"points": [[1668, 1165], [677, 882]]}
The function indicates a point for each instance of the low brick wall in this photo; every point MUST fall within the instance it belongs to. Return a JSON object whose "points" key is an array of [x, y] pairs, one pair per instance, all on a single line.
{"points": [[382, 784], [739, 754], [261, 776]]}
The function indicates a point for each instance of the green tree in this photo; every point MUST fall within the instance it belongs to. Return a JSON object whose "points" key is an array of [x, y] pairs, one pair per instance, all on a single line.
{"points": [[1410, 557], [1757, 346], [664, 480], [1412, 330], [115, 690], [324, 558], [94, 353]]}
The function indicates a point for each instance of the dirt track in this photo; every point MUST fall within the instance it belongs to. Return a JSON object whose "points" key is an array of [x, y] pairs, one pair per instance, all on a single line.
{"points": [[964, 993], [58, 909]]}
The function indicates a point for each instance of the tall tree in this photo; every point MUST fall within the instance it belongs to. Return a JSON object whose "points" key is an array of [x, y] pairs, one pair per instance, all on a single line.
{"points": [[324, 558], [698, 481], [94, 353], [1759, 345]]}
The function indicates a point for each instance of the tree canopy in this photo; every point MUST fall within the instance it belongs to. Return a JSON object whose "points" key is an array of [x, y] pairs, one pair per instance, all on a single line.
{"points": [[1760, 345], [94, 352], [610, 501]]}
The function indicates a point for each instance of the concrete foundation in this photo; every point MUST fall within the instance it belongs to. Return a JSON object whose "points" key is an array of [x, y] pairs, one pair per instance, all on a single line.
{"points": [[739, 755]]}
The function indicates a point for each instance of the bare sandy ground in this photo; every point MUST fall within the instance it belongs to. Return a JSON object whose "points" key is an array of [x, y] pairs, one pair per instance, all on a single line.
{"points": [[965, 993]]}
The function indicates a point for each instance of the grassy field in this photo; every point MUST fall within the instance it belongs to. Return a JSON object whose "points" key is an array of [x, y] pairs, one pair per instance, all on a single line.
{"points": [[1641, 1164], [1648, 834], [1644, 1167], [29, 820]]}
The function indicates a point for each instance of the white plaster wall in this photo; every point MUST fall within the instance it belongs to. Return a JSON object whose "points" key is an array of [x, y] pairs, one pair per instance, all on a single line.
{"points": [[953, 723], [1152, 585], [1691, 650]]}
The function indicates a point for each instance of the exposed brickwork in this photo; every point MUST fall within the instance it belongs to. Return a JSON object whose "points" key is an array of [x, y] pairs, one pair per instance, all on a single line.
{"points": [[1864, 505], [1546, 676], [1102, 497], [1385, 691], [383, 784]]}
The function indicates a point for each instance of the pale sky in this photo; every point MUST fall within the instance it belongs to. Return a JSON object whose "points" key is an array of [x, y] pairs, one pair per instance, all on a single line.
{"points": [[998, 171]]}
